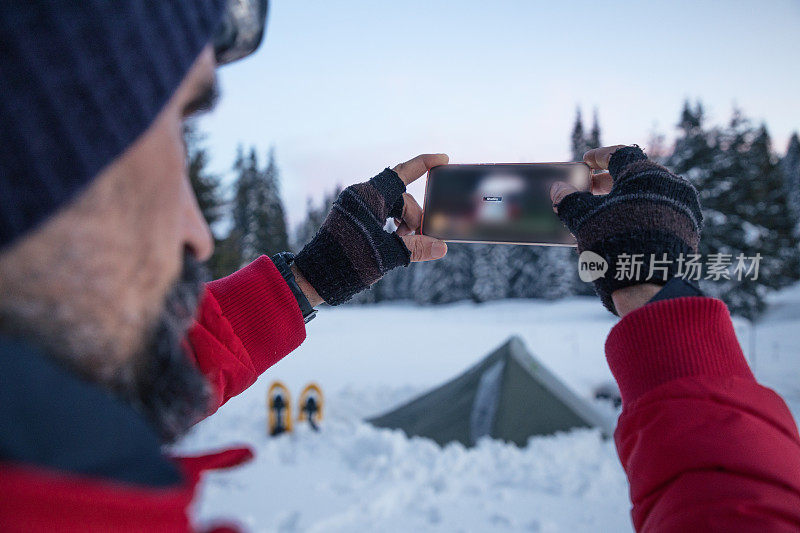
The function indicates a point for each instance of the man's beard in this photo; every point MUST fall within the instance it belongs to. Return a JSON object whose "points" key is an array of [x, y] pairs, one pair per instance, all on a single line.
{"points": [[162, 381], [159, 379]]}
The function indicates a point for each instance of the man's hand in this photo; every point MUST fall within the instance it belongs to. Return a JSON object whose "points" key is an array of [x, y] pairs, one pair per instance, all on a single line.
{"points": [[636, 208], [597, 159], [630, 298], [351, 250], [633, 297], [422, 248]]}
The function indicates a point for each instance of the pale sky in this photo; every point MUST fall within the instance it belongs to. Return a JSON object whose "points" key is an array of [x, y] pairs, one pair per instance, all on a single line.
{"points": [[345, 88]]}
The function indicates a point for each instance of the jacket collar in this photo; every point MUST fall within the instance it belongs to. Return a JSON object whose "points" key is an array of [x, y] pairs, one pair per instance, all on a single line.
{"points": [[53, 419]]}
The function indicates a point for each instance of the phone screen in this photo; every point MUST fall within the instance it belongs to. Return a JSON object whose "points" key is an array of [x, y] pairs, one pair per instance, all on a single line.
{"points": [[502, 203]]}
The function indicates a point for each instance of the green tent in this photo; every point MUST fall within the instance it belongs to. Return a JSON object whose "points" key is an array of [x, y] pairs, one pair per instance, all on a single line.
{"points": [[508, 395]]}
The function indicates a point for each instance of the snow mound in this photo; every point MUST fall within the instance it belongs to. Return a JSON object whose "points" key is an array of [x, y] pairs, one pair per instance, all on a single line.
{"points": [[354, 477]]}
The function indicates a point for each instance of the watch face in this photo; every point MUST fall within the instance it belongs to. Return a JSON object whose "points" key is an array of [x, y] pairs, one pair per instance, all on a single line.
{"points": [[309, 317]]}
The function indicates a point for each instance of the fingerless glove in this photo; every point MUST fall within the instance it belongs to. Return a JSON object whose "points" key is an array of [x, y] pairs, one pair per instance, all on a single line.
{"points": [[650, 214], [351, 250]]}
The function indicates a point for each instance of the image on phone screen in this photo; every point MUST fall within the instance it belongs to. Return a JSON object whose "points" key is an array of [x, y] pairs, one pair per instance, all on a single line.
{"points": [[498, 203]]}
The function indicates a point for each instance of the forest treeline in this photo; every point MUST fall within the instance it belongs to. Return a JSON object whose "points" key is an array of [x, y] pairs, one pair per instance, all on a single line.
{"points": [[750, 195]]}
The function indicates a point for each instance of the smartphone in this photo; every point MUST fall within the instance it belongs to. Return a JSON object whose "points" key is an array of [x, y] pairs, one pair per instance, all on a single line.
{"points": [[505, 203]]}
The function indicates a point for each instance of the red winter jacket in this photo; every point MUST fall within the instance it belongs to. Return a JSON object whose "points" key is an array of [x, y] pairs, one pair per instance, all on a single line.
{"points": [[704, 446]]}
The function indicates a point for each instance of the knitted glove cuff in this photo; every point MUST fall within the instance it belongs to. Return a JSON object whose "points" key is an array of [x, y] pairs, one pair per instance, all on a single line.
{"points": [[649, 212], [351, 250]]}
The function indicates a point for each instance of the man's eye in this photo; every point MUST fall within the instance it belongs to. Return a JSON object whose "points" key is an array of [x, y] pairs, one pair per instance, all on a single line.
{"points": [[203, 102]]}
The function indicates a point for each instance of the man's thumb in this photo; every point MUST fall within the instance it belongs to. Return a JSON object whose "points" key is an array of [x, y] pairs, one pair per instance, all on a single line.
{"points": [[559, 190], [424, 248]]}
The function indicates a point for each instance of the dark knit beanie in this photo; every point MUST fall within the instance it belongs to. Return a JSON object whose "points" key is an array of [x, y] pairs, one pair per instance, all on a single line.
{"points": [[650, 214], [80, 81]]}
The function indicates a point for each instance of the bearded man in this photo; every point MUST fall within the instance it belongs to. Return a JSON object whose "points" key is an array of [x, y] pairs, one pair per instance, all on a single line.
{"points": [[112, 343]]}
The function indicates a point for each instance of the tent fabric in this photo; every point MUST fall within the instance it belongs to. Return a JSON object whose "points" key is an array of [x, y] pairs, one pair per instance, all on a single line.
{"points": [[508, 395], [487, 396]]}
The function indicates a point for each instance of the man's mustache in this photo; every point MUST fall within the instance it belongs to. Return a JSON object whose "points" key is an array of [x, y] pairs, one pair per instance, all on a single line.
{"points": [[184, 297]]}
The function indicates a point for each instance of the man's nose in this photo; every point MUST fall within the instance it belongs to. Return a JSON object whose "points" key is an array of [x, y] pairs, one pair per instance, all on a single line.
{"points": [[197, 235], [201, 242]]}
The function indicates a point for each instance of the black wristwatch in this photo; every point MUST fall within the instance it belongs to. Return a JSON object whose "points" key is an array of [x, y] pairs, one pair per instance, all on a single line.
{"points": [[282, 261]]}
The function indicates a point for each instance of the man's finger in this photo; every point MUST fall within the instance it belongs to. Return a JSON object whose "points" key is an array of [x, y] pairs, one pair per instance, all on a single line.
{"points": [[412, 212], [402, 228], [558, 191], [597, 158], [414, 168], [602, 183], [424, 248]]}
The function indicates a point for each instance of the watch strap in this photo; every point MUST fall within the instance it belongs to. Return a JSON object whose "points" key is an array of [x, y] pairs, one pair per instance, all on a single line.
{"points": [[282, 261]]}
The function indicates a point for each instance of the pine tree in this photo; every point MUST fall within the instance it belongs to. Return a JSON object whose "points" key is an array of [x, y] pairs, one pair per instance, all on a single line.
{"points": [[769, 215], [259, 223], [593, 140], [445, 280], [558, 273], [693, 154], [580, 141], [577, 138], [547, 272], [227, 257], [270, 231], [693, 157], [206, 186], [526, 280], [210, 199], [744, 205], [243, 231], [790, 165], [491, 271], [399, 283]]}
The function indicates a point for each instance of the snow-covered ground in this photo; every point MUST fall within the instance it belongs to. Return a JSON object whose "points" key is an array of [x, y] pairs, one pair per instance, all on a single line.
{"points": [[353, 477]]}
